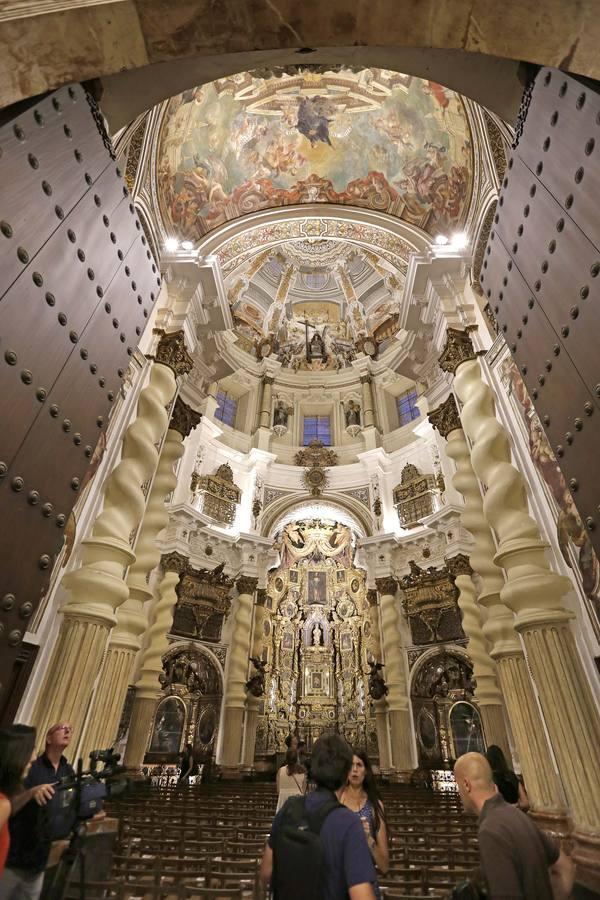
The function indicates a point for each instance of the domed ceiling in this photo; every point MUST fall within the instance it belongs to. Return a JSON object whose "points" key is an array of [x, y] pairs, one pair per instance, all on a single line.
{"points": [[370, 138]]}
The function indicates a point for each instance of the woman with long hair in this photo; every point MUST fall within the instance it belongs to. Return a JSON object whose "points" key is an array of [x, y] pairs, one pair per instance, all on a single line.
{"points": [[362, 797], [509, 784], [17, 752], [291, 778]]}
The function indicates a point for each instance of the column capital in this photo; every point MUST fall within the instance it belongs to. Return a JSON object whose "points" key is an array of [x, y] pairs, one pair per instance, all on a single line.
{"points": [[174, 562], [172, 352], [183, 418], [261, 597], [445, 418], [387, 585], [372, 597], [366, 379], [459, 565], [268, 379], [246, 584], [457, 349]]}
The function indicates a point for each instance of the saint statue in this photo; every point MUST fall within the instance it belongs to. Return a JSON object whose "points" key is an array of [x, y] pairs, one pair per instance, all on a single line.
{"points": [[352, 414], [280, 414], [317, 634]]}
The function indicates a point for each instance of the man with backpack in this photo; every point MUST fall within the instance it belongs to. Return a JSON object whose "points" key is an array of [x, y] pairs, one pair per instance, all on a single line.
{"points": [[317, 849]]}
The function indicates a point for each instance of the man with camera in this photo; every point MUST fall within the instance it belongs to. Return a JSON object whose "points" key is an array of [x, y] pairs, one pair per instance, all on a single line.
{"points": [[30, 824]]}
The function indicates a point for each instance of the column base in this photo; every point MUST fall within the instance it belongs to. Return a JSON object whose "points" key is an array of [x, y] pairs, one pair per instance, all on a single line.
{"points": [[586, 855], [232, 773], [555, 824]]}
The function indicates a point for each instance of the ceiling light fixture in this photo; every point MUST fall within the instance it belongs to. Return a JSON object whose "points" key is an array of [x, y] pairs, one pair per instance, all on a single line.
{"points": [[187, 245], [171, 244], [460, 240], [441, 239]]}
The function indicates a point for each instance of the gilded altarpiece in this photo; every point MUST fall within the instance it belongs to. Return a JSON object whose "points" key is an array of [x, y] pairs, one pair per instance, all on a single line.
{"points": [[317, 641]]}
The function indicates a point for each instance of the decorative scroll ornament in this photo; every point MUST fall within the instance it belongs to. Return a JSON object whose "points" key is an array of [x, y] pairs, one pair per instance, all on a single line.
{"points": [[172, 352], [414, 496], [458, 349], [445, 417], [316, 457], [203, 602], [220, 495], [430, 602], [183, 418]]}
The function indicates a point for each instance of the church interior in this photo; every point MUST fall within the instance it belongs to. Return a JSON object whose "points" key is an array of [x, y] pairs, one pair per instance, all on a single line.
{"points": [[299, 388]]}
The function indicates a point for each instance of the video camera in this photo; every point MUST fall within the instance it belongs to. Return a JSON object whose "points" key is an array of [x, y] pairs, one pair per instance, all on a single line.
{"points": [[80, 797]]}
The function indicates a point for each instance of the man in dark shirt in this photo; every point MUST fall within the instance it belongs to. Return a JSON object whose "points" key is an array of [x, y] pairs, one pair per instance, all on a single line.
{"points": [[518, 860], [30, 826], [350, 869]]}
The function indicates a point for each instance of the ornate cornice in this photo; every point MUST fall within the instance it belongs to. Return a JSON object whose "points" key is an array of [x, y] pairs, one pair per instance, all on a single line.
{"points": [[246, 585], [458, 349], [172, 352], [387, 585], [445, 417], [174, 562], [459, 565], [183, 418]]}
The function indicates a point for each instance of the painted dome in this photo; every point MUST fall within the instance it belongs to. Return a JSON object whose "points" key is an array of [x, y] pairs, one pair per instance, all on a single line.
{"points": [[369, 138]]}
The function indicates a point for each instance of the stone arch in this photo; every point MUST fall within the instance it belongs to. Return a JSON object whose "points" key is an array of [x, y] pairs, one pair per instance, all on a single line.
{"points": [[355, 511], [159, 48], [201, 650], [431, 653]]}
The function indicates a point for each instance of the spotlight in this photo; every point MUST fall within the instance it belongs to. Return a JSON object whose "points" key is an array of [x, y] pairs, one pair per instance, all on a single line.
{"points": [[460, 240], [441, 239], [171, 244], [187, 245]]}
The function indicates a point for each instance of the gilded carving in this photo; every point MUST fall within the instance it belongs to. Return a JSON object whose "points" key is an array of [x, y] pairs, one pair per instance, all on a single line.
{"points": [[316, 457], [183, 418], [430, 603], [458, 349], [414, 497], [445, 418], [172, 352], [220, 495], [203, 603]]}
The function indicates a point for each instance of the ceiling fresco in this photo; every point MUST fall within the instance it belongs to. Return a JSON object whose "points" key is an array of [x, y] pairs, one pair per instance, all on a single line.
{"points": [[370, 138]]}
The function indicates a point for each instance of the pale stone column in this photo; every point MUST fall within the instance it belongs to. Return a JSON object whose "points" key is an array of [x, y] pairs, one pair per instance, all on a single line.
{"points": [[367, 398], [543, 786], [266, 401], [148, 686], [252, 703], [395, 676], [235, 690], [533, 591], [382, 722], [125, 638], [97, 588]]}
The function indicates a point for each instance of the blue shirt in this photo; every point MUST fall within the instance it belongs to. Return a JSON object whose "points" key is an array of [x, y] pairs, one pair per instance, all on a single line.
{"points": [[30, 839], [348, 857]]}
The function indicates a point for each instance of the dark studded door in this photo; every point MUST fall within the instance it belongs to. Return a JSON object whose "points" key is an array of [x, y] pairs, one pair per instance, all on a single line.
{"points": [[540, 274], [77, 284]]}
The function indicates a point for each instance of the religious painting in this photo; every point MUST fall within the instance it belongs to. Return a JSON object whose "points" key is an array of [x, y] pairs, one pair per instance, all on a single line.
{"points": [[207, 725], [354, 585], [294, 576], [371, 138], [317, 587], [168, 726], [288, 641], [340, 576], [279, 584], [346, 641], [317, 681]]}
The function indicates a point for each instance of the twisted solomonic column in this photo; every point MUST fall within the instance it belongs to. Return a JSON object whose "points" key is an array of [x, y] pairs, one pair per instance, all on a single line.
{"points": [[493, 622], [97, 588], [381, 706], [148, 686], [125, 638], [252, 703], [395, 676], [235, 689], [533, 591]]}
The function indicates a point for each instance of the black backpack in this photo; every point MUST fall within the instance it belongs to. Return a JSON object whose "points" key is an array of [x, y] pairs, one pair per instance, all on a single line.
{"points": [[299, 864]]}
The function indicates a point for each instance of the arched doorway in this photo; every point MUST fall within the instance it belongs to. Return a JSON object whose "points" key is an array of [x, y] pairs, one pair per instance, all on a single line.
{"points": [[447, 721], [189, 709]]}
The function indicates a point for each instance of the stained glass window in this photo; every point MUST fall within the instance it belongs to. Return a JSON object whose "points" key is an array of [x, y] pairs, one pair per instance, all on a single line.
{"points": [[406, 405], [317, 428], [226, 408]]}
